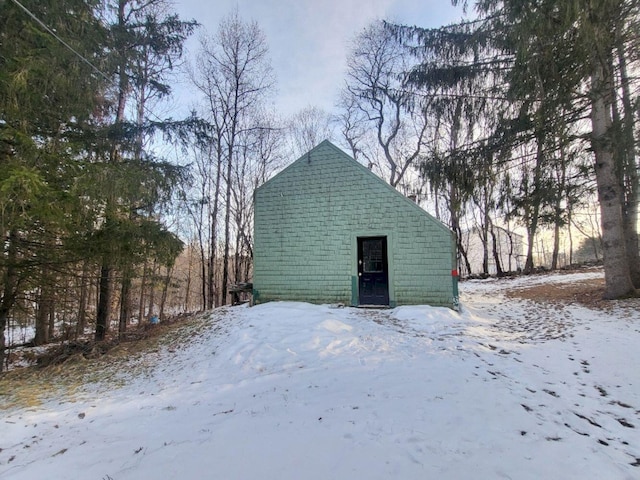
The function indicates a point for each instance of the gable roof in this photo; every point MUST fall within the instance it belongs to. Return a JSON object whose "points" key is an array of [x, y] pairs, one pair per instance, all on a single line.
{"points": [[326, 147]]}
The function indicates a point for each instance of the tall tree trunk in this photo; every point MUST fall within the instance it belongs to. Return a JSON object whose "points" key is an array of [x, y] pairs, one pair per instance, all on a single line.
{"points": [[511, 248], [42, 313], [81, 321], [616, 267], [64, 314], [528, 263], [484, 237], [463, 256], [556, 243], [227, 232], [630, 172], [596, 244], [570, 235], [557, 207], [152, 290], [532, 224], [486, 223], [44, 331], [105, 290], [214, 231], [125, 302], [211, 277], [52, 320], [455, 226], [187, 289], [247, 267], [10, 283], [143, 286], [496, 252], [237, 256], [104, 301], [204, 262], [4, 318], [165, 291]]}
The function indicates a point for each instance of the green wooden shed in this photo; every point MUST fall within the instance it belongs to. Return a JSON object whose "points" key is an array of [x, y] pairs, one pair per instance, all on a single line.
{"points": [[327, 230]]}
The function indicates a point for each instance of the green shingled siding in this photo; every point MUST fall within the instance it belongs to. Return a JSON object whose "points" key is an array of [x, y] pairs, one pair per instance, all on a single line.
{"points": [[308, 219]]}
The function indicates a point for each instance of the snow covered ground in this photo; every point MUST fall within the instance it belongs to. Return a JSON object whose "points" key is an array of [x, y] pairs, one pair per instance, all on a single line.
{"points": [[505, 389]]}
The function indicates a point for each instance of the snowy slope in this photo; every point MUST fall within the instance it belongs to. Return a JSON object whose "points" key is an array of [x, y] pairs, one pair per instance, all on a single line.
{"points": [[505, 389]]}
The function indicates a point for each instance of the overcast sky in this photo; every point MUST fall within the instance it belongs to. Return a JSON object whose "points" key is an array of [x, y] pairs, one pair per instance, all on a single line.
{"points": [[308, 39]]}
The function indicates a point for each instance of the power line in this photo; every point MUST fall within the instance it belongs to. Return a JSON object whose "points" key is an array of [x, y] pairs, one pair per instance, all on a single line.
{"points": [[75, 52], [50, 31]]}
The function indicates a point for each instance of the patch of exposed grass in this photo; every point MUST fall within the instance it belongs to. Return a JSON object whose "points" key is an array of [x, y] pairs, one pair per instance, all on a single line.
{"points": [[102, 369]]}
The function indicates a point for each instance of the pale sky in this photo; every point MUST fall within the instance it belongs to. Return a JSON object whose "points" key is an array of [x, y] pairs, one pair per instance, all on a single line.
{"points": [[308, 39]]}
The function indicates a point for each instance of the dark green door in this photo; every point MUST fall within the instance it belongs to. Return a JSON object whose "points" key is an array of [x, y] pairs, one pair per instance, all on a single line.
{"points": [[373, 276]]}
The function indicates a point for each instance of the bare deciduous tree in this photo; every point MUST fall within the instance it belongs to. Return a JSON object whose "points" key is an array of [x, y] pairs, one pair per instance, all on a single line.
{"points": [[307, 128], [377, 94], [234, 75]]}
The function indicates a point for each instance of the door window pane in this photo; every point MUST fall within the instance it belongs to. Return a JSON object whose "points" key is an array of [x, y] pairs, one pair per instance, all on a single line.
{"points": [[372, 256]]}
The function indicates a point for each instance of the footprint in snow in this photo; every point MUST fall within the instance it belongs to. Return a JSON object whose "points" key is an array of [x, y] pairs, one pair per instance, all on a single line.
{"points": [[603, 392], [590, 420], [625, 423], [585, 366]]}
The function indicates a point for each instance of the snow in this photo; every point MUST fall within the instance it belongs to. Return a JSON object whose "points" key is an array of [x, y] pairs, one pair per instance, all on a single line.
{"points": [[16, 333], [504, 389]]}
